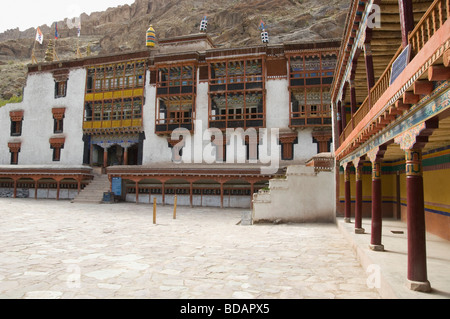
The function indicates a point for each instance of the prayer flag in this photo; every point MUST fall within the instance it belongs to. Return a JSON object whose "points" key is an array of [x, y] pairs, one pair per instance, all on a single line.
{"points": [[56, 31], [262, 26], [39, 36]]}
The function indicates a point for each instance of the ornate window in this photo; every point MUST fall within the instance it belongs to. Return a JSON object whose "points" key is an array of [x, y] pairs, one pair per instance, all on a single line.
{"points": [[58, 120], [60, 89], [16, 122], [14, 149], [57, 144]]}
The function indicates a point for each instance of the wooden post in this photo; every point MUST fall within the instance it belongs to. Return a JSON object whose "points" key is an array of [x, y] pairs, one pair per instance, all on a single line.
{"points": [[252, 190], [154, 211], [358, 202], [137, 192], [36, 184], [369, 67], [58, 186], [376, 156], [417, 257], [221, 195], [175, 207], [105, 158], [376, 233], [348, 200], [164, 194], [413, 142], [353, 97], [125, 156], [15, 188], [343, 115], [191, 193], [406, 19]]}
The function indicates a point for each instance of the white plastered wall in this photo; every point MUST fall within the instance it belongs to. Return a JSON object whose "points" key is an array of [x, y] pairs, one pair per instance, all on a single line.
{"points": [[156, 149], [37, 126]]}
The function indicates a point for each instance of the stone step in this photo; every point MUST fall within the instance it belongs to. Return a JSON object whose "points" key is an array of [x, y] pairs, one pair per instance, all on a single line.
{"points": [[93, 193]]}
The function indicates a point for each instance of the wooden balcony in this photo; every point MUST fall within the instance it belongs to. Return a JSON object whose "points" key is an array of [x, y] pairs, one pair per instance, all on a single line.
{"points": [[254, 120], [387, 101], [311, 116]]}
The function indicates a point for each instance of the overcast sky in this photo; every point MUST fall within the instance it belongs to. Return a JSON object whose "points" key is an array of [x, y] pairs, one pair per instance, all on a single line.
{"points": [[33, 13]]}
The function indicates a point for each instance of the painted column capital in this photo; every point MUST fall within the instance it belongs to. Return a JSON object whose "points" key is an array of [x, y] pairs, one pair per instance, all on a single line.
{"points": [[413, 162], [408, 139]]}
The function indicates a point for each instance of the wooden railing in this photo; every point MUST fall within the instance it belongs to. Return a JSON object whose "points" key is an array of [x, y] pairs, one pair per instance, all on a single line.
{"points": [[432, 20], [435, 17]]}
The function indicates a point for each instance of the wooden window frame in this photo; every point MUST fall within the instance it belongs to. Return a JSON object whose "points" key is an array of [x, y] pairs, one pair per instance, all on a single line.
{"points": [[57, 144], [58, 120], [60, 89], [16, 123], [14, 149]]}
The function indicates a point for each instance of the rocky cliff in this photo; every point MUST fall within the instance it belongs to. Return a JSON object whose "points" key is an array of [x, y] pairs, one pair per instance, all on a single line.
{"points": [[231, 23]]}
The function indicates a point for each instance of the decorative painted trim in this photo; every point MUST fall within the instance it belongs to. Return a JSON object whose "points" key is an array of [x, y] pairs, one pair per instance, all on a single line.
{"points": [[14, 147], [16, 116], [58, 113], [437, 103], [413, 75], [124, 141], [373, 153], [361, 34], [407, 139]]}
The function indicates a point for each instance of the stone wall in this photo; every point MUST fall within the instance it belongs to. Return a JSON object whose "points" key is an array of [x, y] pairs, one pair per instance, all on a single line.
{"points": [[304, 196]]}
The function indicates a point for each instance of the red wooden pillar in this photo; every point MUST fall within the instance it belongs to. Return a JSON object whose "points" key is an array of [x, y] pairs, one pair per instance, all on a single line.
{"points": [[36, 186], [252, 190], [376, 156], [221, 194], [15, 188], [348, 199], [359, 200], [125, 156], [164, 193], [137, 191], [417, 257], [376, 233], [353, 97], [369, 67], [105, 158], [343, 116], [79, 179], [58, 188], [406, 19], [412, 142], [191, 193]]}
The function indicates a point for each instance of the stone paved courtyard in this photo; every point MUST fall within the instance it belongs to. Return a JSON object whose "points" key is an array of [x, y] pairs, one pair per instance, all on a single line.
{"points": [[51, 249]]}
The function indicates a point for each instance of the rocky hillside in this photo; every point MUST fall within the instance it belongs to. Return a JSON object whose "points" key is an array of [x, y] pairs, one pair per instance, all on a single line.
{"points": [[231, 23]]}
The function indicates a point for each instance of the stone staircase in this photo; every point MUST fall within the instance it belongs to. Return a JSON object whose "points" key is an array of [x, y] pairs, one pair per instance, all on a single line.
{"points": [[93, 193]]}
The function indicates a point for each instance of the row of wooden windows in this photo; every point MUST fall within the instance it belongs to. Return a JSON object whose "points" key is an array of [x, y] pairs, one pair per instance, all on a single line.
{"points": [[16, 127], [56, 155], [116, 77], [123, 109]]}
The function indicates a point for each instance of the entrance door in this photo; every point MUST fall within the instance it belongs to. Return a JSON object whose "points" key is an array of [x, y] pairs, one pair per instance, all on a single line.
{"points": [[115, 155], [133, 155]]}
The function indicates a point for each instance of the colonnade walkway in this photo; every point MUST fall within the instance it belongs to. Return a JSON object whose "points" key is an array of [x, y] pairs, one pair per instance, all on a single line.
{"points": [[391, 264]]}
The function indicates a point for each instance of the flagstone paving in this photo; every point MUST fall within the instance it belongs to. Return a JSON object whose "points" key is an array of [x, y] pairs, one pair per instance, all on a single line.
{"points": [[51, 249]]}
